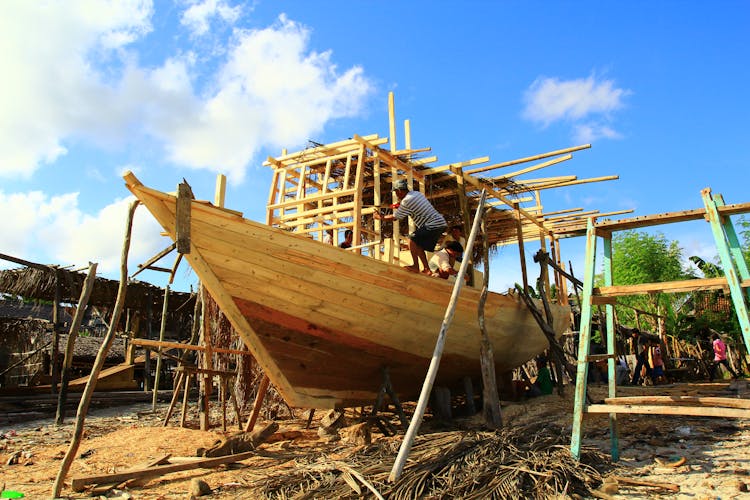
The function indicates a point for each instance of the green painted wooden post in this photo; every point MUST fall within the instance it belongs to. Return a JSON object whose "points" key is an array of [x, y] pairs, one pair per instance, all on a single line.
{"points": [[734, 245], [730, 269], [611, 347], [584, 339]]}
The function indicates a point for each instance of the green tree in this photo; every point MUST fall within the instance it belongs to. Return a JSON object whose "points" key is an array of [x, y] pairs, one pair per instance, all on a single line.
{"points": [[639, 257]]}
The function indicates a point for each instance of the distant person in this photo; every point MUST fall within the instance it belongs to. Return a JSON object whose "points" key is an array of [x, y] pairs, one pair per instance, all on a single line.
{"points": [[543, 377], [622, 371], [428, 221], [657, 364], [720, 357], [443, 261], [641, 358], [328, 237], [348, 235]]}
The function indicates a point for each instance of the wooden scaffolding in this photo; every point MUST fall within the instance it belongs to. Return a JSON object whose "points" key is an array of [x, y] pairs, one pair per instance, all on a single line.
{"points": [[338, 186], [736, 280]]}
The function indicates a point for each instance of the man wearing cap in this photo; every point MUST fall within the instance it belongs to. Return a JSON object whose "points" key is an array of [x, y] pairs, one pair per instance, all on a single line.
{"points": [[428, 221]]}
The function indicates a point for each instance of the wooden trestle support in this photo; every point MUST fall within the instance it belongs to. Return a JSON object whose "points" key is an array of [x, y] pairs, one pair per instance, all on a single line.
{"points": [[737, 279]]}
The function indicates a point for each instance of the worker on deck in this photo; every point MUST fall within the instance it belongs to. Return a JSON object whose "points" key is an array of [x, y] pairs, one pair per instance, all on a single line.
{"points": [[442, 261], [347, 243], [428, 221]]}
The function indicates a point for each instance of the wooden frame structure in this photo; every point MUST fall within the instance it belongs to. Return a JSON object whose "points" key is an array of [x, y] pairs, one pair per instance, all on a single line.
{"points": [[737, 280], [338, 186]]}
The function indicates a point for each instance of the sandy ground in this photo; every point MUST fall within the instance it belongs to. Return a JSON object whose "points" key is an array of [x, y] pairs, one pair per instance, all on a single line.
{"points": [[715, 450]]}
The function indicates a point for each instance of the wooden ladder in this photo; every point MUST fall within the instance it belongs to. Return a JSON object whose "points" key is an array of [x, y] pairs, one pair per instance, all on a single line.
{"points": [[737, 279]]}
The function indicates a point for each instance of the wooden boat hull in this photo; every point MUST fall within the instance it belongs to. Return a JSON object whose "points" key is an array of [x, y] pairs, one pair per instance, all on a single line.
{"points": [[324, 322]]}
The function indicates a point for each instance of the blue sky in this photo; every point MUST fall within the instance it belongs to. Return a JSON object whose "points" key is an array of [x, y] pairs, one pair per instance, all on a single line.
{"points": [[175, 89]]}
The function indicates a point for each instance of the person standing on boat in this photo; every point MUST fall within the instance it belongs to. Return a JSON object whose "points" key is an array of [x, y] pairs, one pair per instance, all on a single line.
{"points": [[428, 221], [347, 243]]}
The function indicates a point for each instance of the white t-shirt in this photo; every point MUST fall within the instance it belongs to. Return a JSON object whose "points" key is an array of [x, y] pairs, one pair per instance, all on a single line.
{"points": [[440, 260]]}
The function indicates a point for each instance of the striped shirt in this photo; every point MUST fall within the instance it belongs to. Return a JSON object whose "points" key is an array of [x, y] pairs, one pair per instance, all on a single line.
{"points": [[416, 206]]}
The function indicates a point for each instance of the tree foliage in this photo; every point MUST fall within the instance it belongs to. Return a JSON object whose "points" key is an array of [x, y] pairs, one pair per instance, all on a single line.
{"points": [[639, 257]]}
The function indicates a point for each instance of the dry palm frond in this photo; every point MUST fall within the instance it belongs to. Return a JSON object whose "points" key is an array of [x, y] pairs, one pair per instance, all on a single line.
{"points": [[530, 462]]}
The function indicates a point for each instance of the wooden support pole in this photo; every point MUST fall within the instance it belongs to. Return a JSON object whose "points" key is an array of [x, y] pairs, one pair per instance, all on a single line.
{"points": [[204, 393], [521, 249], [391, 121], [259, 397], [584, 337], [88, 285], [100, 358], [55, 367], [416, 420], [611, 348], [175, 394], [162, 328], [491, 399], [465, 216]]}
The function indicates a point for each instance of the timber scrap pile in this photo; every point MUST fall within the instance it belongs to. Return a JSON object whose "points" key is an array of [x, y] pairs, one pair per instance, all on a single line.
{"points": [[333, 185]]}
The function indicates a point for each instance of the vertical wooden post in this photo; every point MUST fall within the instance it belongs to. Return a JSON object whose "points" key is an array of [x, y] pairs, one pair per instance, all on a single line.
{"points": [[359, 177], [221, 190], [56, 333], [146, 350], [377, 200], [162, 328], [416, 420], [491, 408], [611, 347], [407, 134], [521, 249], [543, 246], [584, 338], [88, 285], [100, 358], [465, 215], [392, 121], [205, 390]]}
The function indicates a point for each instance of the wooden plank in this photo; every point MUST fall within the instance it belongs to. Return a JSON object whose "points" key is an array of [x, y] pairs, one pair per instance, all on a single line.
{"points": [[327, 195], [695, 411], [78, 484], [692, 400], [669, 218], [178, 345], [666, 287], [538, 166], [528, 159]]}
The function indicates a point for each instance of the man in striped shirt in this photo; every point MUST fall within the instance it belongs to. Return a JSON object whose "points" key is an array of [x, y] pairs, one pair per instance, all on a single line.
{"points": [[428, 221]]}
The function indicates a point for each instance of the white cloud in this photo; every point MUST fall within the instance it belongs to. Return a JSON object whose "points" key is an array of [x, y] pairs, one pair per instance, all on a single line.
{"points": [[50, 91], [54, 230], [549, 100], [272, 91], [198, 16], [87, 84], [590, 132]]}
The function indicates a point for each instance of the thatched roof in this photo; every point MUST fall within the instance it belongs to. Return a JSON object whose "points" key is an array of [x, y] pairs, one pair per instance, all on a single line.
{"points": [[40, 282]]}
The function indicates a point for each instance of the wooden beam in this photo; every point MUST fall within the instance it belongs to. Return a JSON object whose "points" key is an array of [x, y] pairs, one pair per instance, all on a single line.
{"points": [[178, 345], [693, 400], [697, 411], [529, 158], [538, 166], [666, 287]]}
